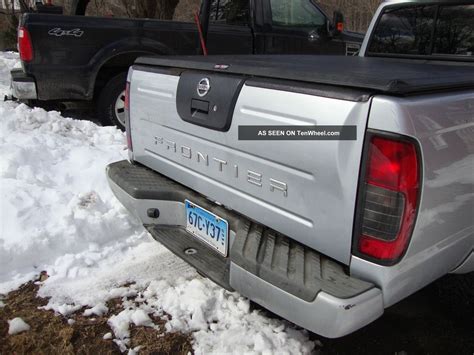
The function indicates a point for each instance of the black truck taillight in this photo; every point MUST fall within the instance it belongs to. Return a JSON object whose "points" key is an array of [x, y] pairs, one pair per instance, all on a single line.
{"points": [[388, 199], [25, 47], [127, 117]]}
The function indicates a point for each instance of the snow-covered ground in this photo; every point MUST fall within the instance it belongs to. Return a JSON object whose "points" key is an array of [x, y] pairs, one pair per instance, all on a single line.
{"points": [[58, 214]]}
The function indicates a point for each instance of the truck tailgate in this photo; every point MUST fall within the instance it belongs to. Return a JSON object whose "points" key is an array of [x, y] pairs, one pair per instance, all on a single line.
{"points": [[305, 189]]}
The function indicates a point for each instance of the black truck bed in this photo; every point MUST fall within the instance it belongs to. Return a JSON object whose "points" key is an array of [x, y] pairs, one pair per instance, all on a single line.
{"points": [[383, 75]]}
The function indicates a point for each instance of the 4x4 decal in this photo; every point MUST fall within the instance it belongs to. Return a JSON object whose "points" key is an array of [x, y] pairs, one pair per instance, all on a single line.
{"points": [[59, 32]]}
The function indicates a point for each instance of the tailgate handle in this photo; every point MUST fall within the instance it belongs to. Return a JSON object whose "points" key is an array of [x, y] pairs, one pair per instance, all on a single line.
{"points": [[199, 107]]}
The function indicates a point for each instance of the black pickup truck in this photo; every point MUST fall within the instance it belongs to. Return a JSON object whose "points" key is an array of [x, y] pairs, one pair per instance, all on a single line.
{"points": [[67, 58]]}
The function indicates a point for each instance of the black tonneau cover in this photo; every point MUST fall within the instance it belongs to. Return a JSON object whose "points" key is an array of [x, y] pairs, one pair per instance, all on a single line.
{"points": [[384, 75]]}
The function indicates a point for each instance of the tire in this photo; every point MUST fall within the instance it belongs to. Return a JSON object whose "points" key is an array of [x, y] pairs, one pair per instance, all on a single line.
{"points": [[111, 102]]}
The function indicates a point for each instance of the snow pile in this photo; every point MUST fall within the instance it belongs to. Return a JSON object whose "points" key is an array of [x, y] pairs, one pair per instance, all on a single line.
{"points": [[17, 325], [222, 321], [8, 61], [58, 214], [55, 201], [99, 310]]}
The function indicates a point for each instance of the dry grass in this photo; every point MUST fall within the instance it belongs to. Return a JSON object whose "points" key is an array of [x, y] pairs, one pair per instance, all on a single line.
{"points": [[51, 333]]}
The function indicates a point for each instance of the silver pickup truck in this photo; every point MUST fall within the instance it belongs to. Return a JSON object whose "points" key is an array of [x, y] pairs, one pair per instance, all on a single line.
{"points": [[323, 188]]}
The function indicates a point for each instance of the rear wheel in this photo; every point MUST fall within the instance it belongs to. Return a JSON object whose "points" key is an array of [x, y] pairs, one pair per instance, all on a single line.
{"points": [[111, 103]]}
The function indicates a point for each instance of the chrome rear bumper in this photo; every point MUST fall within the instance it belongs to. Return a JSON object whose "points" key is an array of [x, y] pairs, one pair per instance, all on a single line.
{"points": [[23, 86]]}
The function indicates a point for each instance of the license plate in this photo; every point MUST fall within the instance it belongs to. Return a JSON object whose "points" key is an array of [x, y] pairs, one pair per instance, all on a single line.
{"points": [[208, 227]]}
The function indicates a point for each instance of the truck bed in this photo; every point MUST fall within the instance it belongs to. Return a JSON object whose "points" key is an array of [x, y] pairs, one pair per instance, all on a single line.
{"points": [[79, 57], [380, 75]]}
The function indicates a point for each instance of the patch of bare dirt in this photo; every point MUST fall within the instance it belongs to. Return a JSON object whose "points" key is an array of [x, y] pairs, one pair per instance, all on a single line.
{"points": [[52, 334]]}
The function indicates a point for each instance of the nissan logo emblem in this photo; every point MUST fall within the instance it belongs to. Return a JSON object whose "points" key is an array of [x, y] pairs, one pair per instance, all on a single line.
{"points": [[203, 87]]}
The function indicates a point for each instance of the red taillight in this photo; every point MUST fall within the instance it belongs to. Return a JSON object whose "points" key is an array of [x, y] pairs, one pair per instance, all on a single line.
{"points": [[24, 45], [127, 117], [390, 198]]}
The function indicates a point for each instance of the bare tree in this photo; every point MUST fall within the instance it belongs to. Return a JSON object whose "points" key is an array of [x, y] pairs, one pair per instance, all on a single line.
{"points": [[10, 20], [161, 9], [165, 9]]}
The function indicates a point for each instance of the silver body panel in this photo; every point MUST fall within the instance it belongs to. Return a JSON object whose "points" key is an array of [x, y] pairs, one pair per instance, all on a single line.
{"points": [[466, 266], [317, 206], [443, 236], [320, 177]]}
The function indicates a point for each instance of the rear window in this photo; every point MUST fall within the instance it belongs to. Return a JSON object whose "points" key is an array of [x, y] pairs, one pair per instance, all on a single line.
{"points": [[404, 31], [455, 31], [425, 30]]}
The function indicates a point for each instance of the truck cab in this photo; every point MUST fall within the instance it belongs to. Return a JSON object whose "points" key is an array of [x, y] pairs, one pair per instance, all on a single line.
{"points": [[277, 27], [86, 58]]}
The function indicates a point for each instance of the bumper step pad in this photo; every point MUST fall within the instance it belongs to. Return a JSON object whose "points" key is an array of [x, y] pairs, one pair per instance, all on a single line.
{"points": [[142, 183], [271, 256], [292, 266], [203, 259]]}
